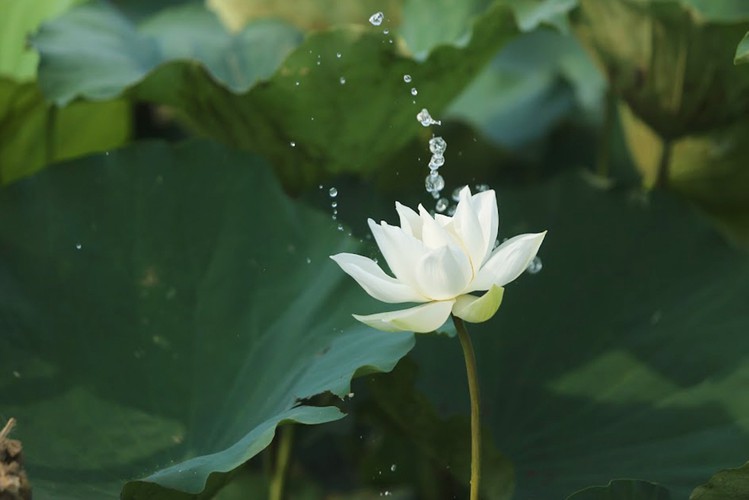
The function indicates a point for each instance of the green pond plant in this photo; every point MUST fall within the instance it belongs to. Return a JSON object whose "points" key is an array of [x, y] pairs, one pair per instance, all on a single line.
{"points": [[439, 261]]}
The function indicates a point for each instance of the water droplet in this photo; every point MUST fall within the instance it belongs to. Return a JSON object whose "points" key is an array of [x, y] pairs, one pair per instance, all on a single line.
{"points": [[451, 210], [78, 246], [456, 193], [350, 395], [338, 55], [426, 119], [292, 144], [342, 80], [340, 227], [441, 205], [333, 192], [535, 266], [437, 145], [376, 18], [434, 183], [17, 374], [309, 261], [482, 187], [320, 186], [414, 91], [436, 162], [296, 83], [407, 78], [386, 32], [393, 467], [334, 204]]}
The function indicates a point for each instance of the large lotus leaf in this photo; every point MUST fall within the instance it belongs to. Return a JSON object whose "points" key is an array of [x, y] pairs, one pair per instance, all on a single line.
{"points": [[534, 81], [670, 63], [34, 134], [626, 355], [623, 489], [306, 14], [729, 484], [316, 113], [708, 169], [19, 18], [163, 310]]}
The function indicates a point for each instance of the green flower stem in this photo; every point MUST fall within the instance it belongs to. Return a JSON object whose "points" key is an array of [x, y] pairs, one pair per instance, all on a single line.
{"points": [[286, 435], [473, 390], [661, 180]]}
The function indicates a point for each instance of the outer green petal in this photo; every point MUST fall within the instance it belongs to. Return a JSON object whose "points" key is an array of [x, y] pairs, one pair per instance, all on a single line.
{"points": [[420, 319], [479, 309]]}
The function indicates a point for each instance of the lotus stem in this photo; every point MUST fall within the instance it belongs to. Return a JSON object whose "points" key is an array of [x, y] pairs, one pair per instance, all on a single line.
{"points": [[473, 391], [286, 435]]}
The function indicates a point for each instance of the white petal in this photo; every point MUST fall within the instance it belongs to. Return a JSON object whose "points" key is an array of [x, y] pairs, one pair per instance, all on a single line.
{"points": [[508, 261], [479, 309], [401, 251], [420, 319], [468, 228], [410, 220], [433, 234], [374, 281], [485, 206], [444, 273]]}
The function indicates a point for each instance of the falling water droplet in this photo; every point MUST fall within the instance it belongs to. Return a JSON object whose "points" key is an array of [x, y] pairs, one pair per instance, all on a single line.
{"points": [[437, 145], [482, 187], [535, 266], [426, 119], [441, 205], [78, 246], [436, 161], [414, 91], [333, 192], [296, 83], [340, 227], [338, 55], [434, 183], [386, 32], [393, 467], [333, 204], [309, 261], [407, 78], [456, 193], [342, 80], [292, 144], [451, 210], [376, 18]]}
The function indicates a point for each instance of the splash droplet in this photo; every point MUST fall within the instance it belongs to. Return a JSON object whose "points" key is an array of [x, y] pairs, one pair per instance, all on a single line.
{"points": [[333, 192], [78, 246], [482, 187], [434, 183], [393, 467], [535, 266], [376, 18], [437, 145], [386, 32], [342, 80], [436, 162], [333, 204], [414, 91], [426, 119], [407, 78], [456, 193], [292, 144], [441, 205], [338, 55]]}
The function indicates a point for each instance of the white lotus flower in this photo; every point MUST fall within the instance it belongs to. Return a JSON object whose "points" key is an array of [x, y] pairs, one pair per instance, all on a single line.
{"points": [[439, 262]]}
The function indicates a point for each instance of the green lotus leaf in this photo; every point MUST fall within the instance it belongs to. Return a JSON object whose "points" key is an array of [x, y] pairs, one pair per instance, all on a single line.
{"points": [[729, 484], [623, 489], [163, 310], [625, 355]]}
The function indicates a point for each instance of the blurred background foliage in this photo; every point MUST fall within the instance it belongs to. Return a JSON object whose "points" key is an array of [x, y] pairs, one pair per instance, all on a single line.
{"points": [[165, 216]]}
